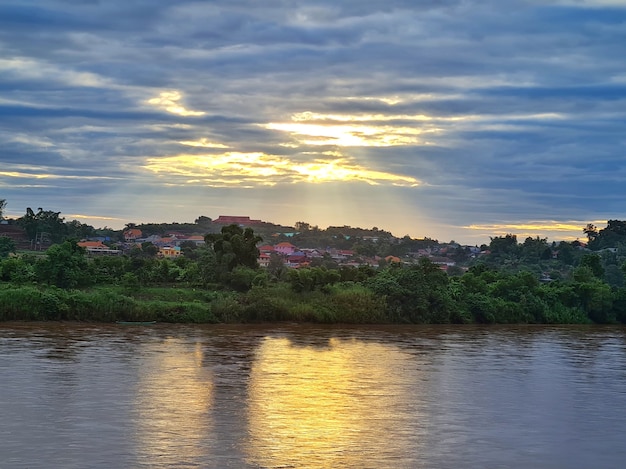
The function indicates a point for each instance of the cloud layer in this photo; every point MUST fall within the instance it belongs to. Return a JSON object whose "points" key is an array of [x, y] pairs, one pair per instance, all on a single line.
{"points": [[450, 119]]}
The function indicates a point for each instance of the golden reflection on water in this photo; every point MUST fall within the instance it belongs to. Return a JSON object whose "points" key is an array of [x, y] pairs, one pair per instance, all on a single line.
{"points": [[331, 406], [174, 396]]}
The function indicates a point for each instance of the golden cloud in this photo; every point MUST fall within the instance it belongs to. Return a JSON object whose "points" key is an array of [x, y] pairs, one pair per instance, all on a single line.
{"points": [[379, 130], [168, 100], [350, 135], [565, 230], [92, 217], [19, 174], [254, 169], [203, 143]]}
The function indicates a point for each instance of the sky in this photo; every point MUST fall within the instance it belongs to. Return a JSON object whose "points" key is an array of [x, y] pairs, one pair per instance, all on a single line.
{"points": [[450, 119]]}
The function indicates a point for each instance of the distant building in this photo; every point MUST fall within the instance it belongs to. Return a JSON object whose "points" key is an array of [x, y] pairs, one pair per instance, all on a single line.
{"points": [[132, 234], [285, 248], [170, 251], [232, 220], [98, 248]]}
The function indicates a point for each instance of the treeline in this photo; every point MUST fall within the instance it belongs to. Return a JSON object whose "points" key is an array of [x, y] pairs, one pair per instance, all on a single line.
{"points": [[222, 282]]}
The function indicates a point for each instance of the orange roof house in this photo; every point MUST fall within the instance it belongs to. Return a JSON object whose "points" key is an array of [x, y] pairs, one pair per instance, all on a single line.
{"points": [[98, 247], [93, 245], [132, 234]]}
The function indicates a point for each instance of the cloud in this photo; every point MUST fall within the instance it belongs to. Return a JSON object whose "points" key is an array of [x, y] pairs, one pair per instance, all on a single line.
{"points": [[488, 114], [168, 100], [259, 169]]}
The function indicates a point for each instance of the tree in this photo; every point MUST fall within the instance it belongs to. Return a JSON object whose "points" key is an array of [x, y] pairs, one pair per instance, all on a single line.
{"points": [[3, 204], [234, 247], [65, 266], [302, 226], [534, 249], [594, 263], [7, 246], [43, 222], [276, 266], [503, 245], [204, 223], [590, 231], [78, 230]]}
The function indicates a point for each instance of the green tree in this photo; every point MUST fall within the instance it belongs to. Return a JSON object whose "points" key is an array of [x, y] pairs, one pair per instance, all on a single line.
{"points": [[504, 245], [78, 230], [234, 247], [565, 253], [594, 262], [43, 225], [65, 265], [18, 270], [534, 249], [7, 246], [417, 294], [204, 223]]}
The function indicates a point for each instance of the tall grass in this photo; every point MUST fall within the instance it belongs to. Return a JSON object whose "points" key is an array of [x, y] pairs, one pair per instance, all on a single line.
{"points": [[345, 304], [28, 303]]}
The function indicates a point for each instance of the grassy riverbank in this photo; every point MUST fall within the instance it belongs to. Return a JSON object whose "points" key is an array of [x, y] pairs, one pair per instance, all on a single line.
{"points": [[189, 305]]}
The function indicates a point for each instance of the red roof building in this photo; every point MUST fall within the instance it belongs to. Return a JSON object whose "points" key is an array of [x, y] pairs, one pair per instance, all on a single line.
{"points": [[231, 220]]}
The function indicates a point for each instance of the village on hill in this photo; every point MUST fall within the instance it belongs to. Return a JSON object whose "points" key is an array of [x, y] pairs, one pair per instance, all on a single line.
{"points": [[295, 248], [300, 246]]}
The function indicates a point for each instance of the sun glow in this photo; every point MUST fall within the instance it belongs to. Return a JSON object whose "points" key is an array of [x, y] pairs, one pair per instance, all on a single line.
{"points": [[203, 143], [23, 175], [261, 169], [350, 135], [168, 100], [385, 130], [564, 230]]}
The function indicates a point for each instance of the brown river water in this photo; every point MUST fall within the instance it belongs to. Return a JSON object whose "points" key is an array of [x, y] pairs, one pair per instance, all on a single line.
{"points": [[309, 396]]}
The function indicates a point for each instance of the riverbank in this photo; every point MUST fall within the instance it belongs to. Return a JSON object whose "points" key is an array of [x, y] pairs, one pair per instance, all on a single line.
{"points": [[171, 304]]}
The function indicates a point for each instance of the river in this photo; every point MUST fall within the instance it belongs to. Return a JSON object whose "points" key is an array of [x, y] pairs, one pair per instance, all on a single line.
{"points": [[309, 396]]}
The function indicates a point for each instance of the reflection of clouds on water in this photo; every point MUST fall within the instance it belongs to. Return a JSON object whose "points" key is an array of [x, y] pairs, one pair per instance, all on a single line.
{"points": [[174, 396], [328, 406]]}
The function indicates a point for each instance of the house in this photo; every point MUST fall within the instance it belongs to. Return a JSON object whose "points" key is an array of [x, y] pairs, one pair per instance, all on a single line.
{"points": [[442, 261], [170, 252], [296, 259], [264, 260], [197, 240], [266, 249], [167, 241], [132, 234], [98, 248], [312, 253], [285, 248]]}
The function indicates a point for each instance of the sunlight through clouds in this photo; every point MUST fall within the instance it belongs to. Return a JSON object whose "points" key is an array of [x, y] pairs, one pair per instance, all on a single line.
{"points": [[78, 216], [23, 175], [350, 135], [564, 230], [168, 100], [260, 169], [203, 143]]}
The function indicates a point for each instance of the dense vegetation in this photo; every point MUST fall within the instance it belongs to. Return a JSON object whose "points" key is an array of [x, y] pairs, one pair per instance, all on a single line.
{"points": [[510, 282]]}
